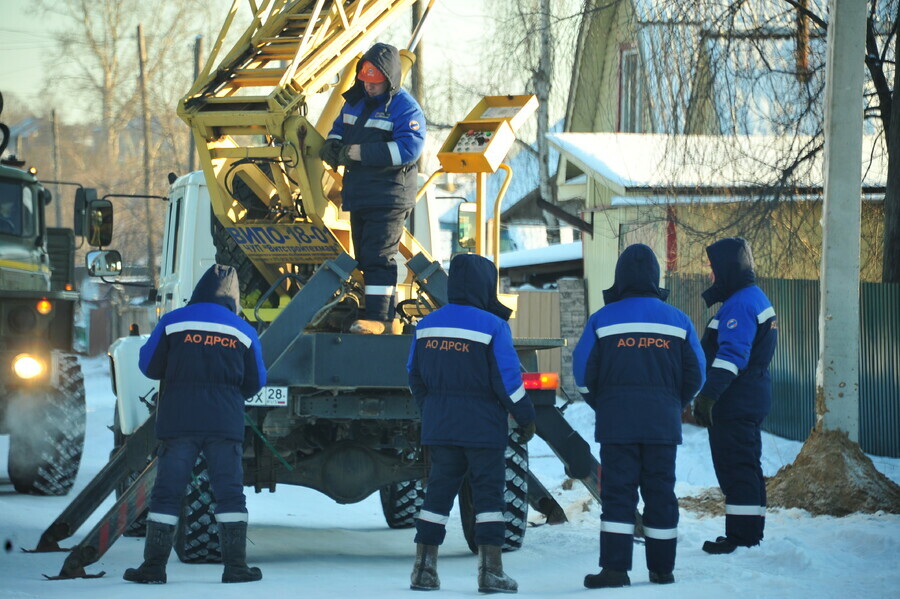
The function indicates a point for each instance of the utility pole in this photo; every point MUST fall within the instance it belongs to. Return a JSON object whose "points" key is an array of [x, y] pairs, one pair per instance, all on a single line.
{"points": [[837, 373], [192, 148], [145, 117], [542, 80], [54, 124]]}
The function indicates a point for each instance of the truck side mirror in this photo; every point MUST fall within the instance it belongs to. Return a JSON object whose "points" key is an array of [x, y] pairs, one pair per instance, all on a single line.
{"points": [[467, 225], [99, 226], [103, 263]]}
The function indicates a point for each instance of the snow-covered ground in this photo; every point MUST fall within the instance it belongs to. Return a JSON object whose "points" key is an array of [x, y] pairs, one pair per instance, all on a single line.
{"points": [[310, 547]]}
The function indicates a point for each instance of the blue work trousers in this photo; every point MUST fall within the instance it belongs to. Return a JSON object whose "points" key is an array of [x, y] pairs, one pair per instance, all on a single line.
{"points": [[626, 468], [736, 447], [487, 476], [175, 462], [376, 236]]}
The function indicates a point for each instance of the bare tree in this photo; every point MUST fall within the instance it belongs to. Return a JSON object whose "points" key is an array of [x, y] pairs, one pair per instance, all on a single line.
{"points": [[95, 64], [758, 68]]}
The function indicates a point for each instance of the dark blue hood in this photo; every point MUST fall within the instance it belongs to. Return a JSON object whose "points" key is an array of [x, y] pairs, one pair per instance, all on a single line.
{"points": [[732, 263], [637, 275], [473, 282], [218, 285], [386, 59]]}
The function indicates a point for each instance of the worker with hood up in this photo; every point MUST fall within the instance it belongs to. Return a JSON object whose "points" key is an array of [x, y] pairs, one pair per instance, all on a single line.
{"points": [[638, 364], [465, 376], [377, 137], [739, 342], [208, 361]]}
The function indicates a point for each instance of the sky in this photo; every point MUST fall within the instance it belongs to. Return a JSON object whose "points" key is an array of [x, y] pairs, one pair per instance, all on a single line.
{"points": [[26, 41], [308, 546]]}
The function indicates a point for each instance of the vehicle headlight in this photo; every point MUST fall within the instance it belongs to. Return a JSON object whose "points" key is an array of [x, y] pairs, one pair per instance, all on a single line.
{"points": [[28, 367]]}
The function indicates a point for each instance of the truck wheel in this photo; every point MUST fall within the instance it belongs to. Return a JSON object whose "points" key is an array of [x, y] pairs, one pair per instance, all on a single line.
{"points": [[47, 434], [197, 534], [251, 282], [516, 494], [400, 502]]}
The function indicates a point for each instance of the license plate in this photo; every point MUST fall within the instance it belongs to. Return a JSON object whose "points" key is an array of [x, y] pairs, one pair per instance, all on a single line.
{"points": [[269, 396]]}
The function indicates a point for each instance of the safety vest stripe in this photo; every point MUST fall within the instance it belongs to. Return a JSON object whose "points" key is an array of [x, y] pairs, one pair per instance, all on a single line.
{"points": [[335, 136], [163, 518], [208, 327], [518, 394], [765, 315], [641, 327], [619, 528], [394, 149], [713, 324], [744, 510], [454, 333], [489, 517], [350, 119], [387, 290], [583, 390], [657, 533], [725, 365], [380, 124], [231, 517], [432, 517]]}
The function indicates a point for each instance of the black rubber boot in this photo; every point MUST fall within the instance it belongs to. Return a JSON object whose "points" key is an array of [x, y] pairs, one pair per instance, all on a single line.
{"points": [[491, 577], [233, 536], [156, 554], [661, 577], [607, 579], [720, 546], [424, 575]]}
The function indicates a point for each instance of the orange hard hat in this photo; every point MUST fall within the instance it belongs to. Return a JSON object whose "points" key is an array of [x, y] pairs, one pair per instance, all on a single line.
{"points": [[369, 73]]}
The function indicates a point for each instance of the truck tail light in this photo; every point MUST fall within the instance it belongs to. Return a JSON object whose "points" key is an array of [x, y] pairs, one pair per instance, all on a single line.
{"points": [[541, 380]]}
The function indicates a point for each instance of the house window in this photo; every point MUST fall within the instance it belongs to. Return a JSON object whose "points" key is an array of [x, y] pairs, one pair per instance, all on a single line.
{"points": [[629, 91]]}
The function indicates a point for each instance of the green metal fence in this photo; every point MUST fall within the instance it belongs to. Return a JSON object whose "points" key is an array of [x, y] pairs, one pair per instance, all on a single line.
{"points": [[794, 365]]}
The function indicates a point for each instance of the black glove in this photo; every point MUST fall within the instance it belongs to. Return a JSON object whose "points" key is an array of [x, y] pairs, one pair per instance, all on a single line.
{"points": [[526, 433], [330, 152], [703, 406], [344, 156]]}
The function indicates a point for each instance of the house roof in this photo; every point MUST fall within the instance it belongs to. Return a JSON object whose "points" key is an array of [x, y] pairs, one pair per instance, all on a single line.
{"points": [[560, 252], [637, 164]]}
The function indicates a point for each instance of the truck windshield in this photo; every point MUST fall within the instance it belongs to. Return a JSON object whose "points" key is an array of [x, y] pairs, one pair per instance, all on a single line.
{"points": [[16, 209]]}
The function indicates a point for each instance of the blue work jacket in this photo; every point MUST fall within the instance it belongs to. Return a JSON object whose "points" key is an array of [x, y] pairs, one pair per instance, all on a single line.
{"points": [[208, 360], [463, 370], [639, 361], [740, 339], [390, 129]]}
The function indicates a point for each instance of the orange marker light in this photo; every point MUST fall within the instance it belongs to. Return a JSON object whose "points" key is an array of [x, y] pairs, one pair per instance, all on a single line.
{"points": [[541, 380], [44, 306]]}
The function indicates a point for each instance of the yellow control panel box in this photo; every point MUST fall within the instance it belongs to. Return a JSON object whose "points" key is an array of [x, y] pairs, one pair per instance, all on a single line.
{"points": [[480, 142]]}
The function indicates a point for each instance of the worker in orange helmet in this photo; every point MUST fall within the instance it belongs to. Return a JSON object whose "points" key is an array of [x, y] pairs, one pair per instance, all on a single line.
{"points": [[378, 137]]}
